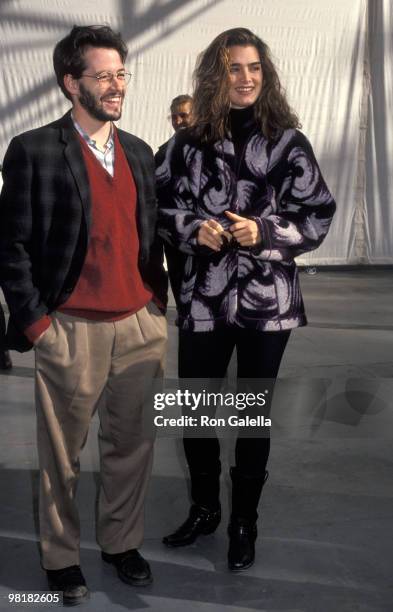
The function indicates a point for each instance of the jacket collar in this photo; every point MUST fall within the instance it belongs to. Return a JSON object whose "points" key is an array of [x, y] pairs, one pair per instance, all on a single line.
{"points": [[74, 158]]}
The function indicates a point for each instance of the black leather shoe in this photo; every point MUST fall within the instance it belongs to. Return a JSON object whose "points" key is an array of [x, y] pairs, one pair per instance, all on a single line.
{"points": [[242, 536], [5, 360], [200, 521], [131, 567], [71, 582]]}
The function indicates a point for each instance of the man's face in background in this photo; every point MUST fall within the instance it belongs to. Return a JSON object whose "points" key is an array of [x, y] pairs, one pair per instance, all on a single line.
{"points": [[181, 116]]}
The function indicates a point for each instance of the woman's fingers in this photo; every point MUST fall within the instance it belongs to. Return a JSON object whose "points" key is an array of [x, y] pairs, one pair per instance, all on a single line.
{"points": [[242, 233], [212, 234], [248, 234], [215, 225], [209, 235]]}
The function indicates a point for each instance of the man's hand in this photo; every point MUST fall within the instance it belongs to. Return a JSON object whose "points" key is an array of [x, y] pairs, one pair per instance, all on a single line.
{"points": [[245, 231], [211, 234]]}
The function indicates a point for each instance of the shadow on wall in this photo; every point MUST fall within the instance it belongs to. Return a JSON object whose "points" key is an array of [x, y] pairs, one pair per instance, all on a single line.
{"points": [[17, 116]]}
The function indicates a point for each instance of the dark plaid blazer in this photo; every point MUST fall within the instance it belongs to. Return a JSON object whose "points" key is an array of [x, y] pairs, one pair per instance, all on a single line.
{"points": [[45, 218]]}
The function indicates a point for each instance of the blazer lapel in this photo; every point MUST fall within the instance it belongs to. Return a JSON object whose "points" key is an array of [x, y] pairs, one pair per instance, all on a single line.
{"points": [[74, 158], [136, 168]]}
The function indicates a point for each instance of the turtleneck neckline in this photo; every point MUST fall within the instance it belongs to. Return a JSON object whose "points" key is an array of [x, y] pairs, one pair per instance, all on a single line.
{"points": [[242, 124], [244, 114], [241, 121]]}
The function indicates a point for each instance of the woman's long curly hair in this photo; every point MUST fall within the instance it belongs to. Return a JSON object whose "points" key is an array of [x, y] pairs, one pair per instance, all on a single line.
{"points": [[211, 90]]}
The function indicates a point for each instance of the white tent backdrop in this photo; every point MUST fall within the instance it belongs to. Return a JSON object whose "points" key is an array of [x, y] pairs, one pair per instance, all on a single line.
{"points": [[320, 47], [379, 143]]}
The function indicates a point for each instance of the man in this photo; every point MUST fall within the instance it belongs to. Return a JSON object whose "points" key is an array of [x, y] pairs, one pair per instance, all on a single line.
{"points": [[79, 272], [181, 118], [181, 108]]}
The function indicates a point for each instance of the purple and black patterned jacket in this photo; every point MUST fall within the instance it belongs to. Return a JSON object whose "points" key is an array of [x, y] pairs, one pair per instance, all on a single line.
{"points": [[280, 185]]}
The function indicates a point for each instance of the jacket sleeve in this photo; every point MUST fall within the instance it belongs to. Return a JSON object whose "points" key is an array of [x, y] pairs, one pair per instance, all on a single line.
{"points": [[305, 207], [178, 224], [155, 275], [16, 227]]}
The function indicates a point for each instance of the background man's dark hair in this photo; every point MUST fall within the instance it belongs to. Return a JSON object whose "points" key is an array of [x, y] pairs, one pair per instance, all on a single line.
{"points": [[68, 55], [182, 99]]}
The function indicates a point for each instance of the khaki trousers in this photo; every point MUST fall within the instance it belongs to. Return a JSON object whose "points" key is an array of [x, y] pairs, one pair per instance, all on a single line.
{"points": [[80, 364]]}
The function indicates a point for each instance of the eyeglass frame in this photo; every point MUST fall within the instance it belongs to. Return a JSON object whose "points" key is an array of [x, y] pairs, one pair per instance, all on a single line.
{"points": [[100, 78]]}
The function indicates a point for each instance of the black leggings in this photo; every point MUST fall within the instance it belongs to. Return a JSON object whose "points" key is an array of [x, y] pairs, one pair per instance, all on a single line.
{"points": [[207, 355]]}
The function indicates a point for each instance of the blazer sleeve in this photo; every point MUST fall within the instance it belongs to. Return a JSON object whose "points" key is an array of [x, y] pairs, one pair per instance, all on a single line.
{"points": [[154, 273], [305, 206], [16, 227]]}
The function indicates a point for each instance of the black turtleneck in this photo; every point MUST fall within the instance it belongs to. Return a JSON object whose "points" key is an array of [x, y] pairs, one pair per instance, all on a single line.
{"points": [[242, 124]]}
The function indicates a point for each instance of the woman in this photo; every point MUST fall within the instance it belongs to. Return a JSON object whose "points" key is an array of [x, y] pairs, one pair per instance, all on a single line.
{"points": [[240, 192]]}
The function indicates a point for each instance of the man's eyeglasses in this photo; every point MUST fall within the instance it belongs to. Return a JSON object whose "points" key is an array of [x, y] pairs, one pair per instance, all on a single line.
{"points": [[106, 77]]}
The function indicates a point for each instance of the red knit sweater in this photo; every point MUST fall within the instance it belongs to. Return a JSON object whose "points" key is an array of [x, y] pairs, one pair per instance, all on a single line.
{"points": [[110, 286]]}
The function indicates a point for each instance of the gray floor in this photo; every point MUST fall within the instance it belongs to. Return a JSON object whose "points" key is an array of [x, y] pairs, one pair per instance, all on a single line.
{"points": [[326, 529]]}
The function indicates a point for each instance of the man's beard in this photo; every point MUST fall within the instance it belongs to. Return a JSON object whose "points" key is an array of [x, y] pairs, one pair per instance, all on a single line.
{"points": [[89, 103]]}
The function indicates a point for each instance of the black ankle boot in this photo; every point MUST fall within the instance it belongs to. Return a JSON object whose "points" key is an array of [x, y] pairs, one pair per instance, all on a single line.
{"points": [[201, 521], [242, 536], [242, 529], [205, 513]]}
